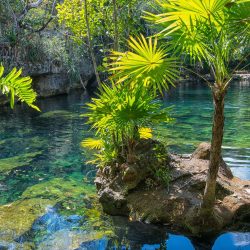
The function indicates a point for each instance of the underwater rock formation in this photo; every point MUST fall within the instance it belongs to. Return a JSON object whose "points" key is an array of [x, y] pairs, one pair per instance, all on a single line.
{"points": [[35, 212], [134, 191]]}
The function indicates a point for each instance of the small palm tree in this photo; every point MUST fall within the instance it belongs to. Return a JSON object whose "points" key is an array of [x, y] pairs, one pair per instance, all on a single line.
{"points": [[121, 116], [209, 31], [128, 110], [14, 85]]}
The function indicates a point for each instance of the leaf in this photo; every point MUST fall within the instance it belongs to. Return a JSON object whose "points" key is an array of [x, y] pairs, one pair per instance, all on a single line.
{"points": [[92, 143], [18, 86], [146, 133], [145, 63]]}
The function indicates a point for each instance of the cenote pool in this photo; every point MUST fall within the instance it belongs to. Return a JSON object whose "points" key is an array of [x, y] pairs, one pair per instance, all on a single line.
{"points": [[47, 197]]}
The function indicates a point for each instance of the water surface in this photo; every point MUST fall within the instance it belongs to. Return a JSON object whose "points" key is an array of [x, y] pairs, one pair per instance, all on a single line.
{"points": [[44, 177]]}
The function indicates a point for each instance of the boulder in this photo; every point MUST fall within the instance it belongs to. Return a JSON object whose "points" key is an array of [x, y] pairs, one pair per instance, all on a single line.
{"points": [[203, 153], [177, 204]]}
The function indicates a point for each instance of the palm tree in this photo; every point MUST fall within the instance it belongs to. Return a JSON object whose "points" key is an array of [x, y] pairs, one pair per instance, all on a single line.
{"points": [[121, 115], [15, 85], [127, 111], [210, 31]]}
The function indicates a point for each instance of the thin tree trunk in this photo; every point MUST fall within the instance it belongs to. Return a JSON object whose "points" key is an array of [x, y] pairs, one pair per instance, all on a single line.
{"points": [[216, 144], [115, 18], [89, 38]]}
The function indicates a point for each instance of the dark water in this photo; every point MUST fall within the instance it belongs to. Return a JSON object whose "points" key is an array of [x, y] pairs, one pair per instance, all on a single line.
{"points": [[44, 163]]}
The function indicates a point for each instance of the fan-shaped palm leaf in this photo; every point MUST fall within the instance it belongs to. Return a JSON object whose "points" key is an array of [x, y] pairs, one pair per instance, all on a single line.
{"points": [[145, 63], [146, 133], [182, 12], [93, 143], [197, 27]]}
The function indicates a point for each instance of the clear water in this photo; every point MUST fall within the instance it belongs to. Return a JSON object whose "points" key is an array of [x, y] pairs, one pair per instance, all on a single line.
{"points": [[53, 172]]}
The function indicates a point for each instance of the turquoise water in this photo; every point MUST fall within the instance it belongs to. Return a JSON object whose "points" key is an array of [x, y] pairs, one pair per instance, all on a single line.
{"points": [[47, 196], [193, 109]]}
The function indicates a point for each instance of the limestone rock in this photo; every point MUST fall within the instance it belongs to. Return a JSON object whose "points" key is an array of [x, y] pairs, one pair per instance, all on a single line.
{"points": [[203, 153], [177, 204]]}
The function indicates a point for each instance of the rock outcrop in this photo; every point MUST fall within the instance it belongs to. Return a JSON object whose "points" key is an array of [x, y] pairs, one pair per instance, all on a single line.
{"points": [[135, 191], [51, 79], [54, 80]]}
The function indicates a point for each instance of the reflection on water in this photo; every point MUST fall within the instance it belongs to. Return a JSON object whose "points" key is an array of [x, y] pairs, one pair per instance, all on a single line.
{"points": [[47, 197]]}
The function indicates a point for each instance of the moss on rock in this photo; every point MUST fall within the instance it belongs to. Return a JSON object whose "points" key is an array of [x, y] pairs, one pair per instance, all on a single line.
{"points": [[16, 218], [70, 196], [8, 164], [58, 189]]}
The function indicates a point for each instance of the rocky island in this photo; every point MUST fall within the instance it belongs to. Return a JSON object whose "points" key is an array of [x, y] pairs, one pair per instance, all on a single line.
{"points": [[132, 190]]}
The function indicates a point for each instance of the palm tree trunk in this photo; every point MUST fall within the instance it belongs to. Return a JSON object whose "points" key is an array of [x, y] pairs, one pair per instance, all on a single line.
{"points": [[216, 144], [90, 44]]}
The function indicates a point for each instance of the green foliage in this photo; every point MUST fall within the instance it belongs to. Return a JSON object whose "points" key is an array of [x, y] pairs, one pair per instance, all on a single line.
{"points": [[121, 116], [144, 63], [163, 175], [71, 14], [160, 170], [101, 17], [210, 31], [14, 84], [128, 111]]}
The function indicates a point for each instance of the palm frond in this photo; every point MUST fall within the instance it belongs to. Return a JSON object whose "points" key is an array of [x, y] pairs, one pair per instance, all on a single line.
{"points": [[188, 13], [195, 28], [146, 63], [146, 133], [14, 84], [92, 143]]}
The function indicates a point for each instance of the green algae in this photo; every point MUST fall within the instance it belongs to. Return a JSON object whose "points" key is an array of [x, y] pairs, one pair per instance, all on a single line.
{"points": [[34, 143], [16, 218], [58, 189], [8, 164], [63, 114], [73, 196], [70, 196]]}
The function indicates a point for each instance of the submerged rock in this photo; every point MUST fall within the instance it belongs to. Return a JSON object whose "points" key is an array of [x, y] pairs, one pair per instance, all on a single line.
{"points": [[178, 203], [16, 218], [66, 239], [55, 114], [49, 210], [8, 164]]}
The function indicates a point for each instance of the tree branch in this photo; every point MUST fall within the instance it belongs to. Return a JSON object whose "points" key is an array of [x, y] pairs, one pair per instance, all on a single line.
{"points": [[27, 8], [34, 5]]}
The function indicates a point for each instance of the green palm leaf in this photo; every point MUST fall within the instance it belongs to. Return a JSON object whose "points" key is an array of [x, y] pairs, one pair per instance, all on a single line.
{"points": [[92, 143], [15, 85], [144, 63], [177, 14], [205, 30]]}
